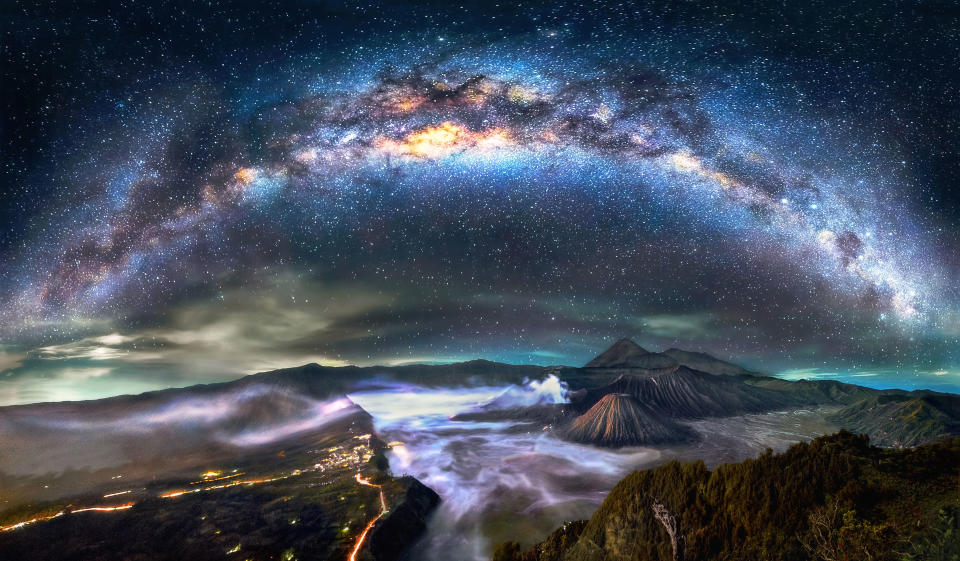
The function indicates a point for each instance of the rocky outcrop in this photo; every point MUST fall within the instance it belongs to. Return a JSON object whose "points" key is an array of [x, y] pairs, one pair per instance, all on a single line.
{"points": [[546, 414], [405, 521]]}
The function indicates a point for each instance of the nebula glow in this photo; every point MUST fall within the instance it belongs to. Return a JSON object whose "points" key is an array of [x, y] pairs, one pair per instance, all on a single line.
{"points": [[479, 126], [458, 191]]}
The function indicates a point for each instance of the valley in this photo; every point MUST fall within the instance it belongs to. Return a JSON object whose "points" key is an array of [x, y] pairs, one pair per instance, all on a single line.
{"points": [[423, 462]]}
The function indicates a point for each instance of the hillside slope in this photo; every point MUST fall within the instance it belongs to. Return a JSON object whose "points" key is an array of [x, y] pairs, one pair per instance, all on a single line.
{"points": [[835, 496], [707, 363], [625, 354], [681, 392], [903, 420]]}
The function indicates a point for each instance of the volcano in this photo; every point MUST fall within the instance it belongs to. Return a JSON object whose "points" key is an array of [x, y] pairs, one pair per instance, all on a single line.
{"points": [[621, 354], [685, 393], [620, 420], [625, 354], [707, 363]]}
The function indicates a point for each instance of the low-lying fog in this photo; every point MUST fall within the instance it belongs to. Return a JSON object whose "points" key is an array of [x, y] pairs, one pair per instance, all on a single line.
{"points": [[52, 438], [498, 480], [516, 481]]}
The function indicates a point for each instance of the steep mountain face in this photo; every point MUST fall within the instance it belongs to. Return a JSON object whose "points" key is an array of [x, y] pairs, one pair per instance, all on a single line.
{"points": [[706, 363], [405, 522], [680, 392], [833, 498], [546, 414], [687, 394], [619, 420], [903, 420], [818, 392], [653, 361], [890, 417], [625, 354], [622, 354]]}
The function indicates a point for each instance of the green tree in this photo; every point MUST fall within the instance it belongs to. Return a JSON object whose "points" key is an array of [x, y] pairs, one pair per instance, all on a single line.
{"points": [[942, 543], [837, 534]]}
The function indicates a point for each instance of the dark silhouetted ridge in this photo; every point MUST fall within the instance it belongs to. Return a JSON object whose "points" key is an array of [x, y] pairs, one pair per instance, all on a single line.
{"points": [[625, 354], [685, 393], [903, 420], [622, 354], [706, 363]]}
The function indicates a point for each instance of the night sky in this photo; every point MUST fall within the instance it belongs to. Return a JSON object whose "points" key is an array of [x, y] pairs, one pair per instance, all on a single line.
{"points": [[195, 191]]}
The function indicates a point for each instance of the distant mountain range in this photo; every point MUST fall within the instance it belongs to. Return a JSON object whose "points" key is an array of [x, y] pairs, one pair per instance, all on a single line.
{"points": [[656, 392], [903, 420], [664, 389], [625, 354], [291, 418]]}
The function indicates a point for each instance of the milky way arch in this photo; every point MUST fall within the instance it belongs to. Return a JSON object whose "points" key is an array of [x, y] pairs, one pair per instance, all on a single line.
{"points": [[443, 139]]}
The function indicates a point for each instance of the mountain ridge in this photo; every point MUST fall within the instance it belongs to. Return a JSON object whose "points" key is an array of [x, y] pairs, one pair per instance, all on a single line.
{"points": [[619, 354], [903, 420], [675, 393], [627, 354], [835, 497]]}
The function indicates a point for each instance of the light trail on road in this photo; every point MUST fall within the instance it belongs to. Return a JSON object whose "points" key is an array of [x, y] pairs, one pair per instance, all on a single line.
{"points": [[383, 510], [68, 510], [103, 508]]}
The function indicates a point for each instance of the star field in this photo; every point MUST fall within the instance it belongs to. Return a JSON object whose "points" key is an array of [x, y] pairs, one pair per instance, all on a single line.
{"points": [[448, 182]]}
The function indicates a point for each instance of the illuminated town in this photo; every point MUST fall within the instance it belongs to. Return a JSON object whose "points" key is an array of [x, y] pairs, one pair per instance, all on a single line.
{"points": [[338, 463]]}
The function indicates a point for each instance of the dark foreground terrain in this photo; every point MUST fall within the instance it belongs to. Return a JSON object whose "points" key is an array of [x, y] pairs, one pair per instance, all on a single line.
{"points": [[834, 498], [284, 465], [324, 493]]}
